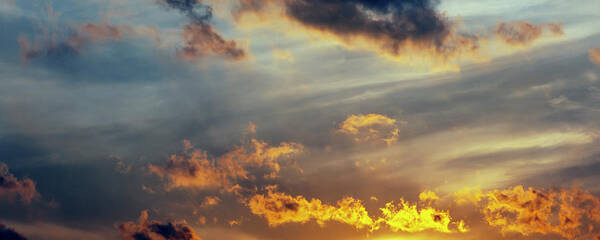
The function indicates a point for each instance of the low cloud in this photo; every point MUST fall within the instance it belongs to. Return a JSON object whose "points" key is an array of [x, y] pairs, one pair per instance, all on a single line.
{"points": [[280, 208], [9, 234], [570, 213], [145, 229], [12, 187]]}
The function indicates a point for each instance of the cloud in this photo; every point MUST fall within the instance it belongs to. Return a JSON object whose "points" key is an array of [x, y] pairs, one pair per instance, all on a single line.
{"points": [[202, 39], [280, 208], [570, 213], [392, 28], [408, 218], [524, 33], [199, 37], [428, 196], [194, 168], [595, 56], [370, 128], [11, 186], [210, 201], [54, 44], [155, 230], [10, 234]]}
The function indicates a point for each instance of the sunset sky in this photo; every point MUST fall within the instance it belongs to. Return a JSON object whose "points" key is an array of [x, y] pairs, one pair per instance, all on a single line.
{"points": [[299, 119]]}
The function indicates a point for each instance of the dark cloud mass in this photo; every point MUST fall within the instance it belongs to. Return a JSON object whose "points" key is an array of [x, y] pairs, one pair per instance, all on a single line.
{"points": [[393, 24], [9, 234], [155, 230]]}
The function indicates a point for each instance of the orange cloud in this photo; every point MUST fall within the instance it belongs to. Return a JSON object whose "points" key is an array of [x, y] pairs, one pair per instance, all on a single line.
{"points": [[194, 168], [370, 127], [210, 201], [280, 208], [595, 56], [570, 213], [12, 187], [201, 39], [155, 230], [523, 33]]}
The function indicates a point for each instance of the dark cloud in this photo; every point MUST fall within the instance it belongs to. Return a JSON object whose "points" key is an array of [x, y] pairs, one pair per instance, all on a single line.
{"points": [[9, 234], [155, 230], [393, 24], [11, 186]]}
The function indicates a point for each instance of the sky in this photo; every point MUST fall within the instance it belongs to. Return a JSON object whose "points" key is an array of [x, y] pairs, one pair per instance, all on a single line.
{"points": [[299, 119]]}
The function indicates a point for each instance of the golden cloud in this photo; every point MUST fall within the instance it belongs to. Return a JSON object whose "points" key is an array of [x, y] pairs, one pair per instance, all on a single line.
{"points": [[370, 128], [280, 208], [570, 213], [194, 168]]}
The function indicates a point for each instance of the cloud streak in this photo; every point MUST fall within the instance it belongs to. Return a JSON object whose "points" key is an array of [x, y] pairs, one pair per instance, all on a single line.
{"points": [[524, 33]]}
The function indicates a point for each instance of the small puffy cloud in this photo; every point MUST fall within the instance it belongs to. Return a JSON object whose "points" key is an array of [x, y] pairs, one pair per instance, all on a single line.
{"points": [[12, 187], [10, 234], [595, 56], [370, 128], [145, 229], [210, 201], [523, 33]]}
